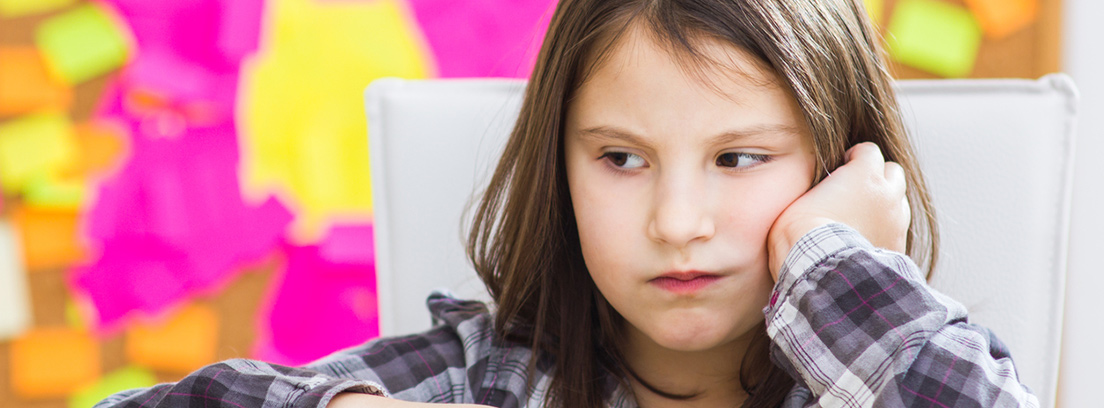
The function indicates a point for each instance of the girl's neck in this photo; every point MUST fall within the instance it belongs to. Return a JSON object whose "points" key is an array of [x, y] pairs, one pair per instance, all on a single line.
{"points": [[712, 376]]}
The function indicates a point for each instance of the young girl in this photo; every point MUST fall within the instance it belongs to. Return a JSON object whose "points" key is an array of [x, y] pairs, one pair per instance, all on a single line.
{"points": [[704, 203]]}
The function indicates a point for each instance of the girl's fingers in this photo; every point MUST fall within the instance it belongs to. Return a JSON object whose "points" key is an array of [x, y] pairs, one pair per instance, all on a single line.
{"points": [[895, 178]]}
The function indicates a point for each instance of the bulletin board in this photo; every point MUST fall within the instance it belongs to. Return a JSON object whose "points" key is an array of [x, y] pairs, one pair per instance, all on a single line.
{"points": [[1029, 51]]}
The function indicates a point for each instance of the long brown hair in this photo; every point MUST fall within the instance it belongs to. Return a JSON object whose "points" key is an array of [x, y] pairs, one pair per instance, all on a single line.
{"points": [[524, 242]]}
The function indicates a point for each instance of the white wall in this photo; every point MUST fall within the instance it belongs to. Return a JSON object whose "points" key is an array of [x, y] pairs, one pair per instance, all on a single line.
{"points": [[1083, 358]]}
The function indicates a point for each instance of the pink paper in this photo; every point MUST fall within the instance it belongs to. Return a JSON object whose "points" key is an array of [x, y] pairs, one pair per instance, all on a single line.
{"points": [[349, 244], [484, 38], [319, 306], [172, 223]]}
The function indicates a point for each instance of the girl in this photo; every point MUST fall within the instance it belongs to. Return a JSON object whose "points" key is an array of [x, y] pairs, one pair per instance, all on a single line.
{"points": [[704, 203]]}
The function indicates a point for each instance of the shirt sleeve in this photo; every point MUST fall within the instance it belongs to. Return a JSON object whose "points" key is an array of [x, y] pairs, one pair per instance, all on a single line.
{"points": [[244, 383], [860, 327], [435, 366]]}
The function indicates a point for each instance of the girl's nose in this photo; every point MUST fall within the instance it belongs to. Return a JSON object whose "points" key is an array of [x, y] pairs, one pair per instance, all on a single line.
{"points": [[681, 213]]}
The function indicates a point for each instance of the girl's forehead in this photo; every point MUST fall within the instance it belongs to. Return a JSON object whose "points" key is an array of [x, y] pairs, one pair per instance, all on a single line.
{"points": [[705, 61]]}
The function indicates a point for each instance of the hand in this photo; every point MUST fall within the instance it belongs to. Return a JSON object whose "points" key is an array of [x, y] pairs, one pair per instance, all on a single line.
{"points": [[865, 193], [354, 400]]}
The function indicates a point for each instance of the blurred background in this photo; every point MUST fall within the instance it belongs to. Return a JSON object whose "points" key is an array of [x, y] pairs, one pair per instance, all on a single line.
{"points": [[186, 181]]}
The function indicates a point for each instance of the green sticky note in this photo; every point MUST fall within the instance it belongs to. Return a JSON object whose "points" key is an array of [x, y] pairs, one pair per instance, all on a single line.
{"points": [[48, 192], [118, 380], [934, 36], [20, 8], [34, 146], [83, 43]]}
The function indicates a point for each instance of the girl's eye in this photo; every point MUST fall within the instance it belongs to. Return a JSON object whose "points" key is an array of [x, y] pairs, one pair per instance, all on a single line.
{"points": [[624, 160], [741, 160]]}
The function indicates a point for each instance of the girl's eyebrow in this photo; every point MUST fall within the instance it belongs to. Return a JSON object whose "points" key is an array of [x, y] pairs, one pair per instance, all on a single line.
{"points": [[758, 132]]}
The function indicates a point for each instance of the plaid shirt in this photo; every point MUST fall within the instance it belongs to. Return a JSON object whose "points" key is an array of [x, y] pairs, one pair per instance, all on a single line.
{"points": [[855, 325]]}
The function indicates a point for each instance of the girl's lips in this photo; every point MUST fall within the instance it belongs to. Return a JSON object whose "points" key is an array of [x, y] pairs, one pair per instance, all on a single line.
{"points": [[684, 282]]}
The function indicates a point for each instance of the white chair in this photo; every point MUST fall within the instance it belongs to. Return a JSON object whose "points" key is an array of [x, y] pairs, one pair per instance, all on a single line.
{"points": [[997, 154]]}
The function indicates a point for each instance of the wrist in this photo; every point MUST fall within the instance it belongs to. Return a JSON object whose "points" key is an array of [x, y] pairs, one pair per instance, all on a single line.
{"points": [[783, 237]]}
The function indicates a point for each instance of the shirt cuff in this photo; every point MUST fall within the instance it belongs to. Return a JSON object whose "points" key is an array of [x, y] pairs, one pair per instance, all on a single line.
{"points": [[812, 249], [318, 394]]}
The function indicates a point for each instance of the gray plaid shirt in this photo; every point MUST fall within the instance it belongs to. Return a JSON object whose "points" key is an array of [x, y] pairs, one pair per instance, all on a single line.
{"points": [[855, 325]]}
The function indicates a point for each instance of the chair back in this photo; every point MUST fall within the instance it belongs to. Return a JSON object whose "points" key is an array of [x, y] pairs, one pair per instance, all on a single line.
{"points": [[997, 155]]}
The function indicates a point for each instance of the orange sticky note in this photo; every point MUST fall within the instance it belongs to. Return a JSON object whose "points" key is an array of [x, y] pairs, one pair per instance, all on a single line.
{"points": [[999, 18], [49, 236], [185, 342], [100, 147], [25, 85], [53, 362]]}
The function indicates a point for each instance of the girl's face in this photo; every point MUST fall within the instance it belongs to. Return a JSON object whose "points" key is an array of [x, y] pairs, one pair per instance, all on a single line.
{"points": [[676, 178]]}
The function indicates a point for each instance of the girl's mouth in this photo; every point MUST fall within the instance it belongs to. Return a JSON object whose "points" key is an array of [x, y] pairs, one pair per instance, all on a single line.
{"points": [[684, 282]]}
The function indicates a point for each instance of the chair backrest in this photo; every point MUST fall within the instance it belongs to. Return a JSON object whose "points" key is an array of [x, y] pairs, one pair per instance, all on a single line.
{"points": [[997, 155]]}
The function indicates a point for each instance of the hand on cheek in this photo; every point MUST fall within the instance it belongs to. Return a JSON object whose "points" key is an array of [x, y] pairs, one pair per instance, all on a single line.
{"points": [[865, 193]]}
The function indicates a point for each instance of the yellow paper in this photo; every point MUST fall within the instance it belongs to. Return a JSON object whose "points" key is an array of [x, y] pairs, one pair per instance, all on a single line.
{"points": [[34, 146], [875, 9], [20, 8], [305, 134], [119, 380]]}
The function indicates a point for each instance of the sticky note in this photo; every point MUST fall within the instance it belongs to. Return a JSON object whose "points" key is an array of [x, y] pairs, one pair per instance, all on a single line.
{"points": [[101, 148], [83, 43], [55, 192], [184, 342], [15, 309], [349, 244], [484, 38], [50, 237], [875, 9], [20, 8], [315, 155], [53, 362], [239, 27], [25, 85], [999, 18], [934, 36], [171, 224], [34, 146], [126, 378], [319, 307]]}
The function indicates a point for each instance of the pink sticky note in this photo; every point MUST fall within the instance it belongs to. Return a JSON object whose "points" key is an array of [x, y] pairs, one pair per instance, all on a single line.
{"points": [[318, 306], [240, 27], [214, 33], [349, 244], [172, 223], [484, 38]]}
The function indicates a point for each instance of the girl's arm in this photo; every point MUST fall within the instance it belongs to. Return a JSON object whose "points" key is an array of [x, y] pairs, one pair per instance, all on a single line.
{"points": [[446, 364], [859, 326]]}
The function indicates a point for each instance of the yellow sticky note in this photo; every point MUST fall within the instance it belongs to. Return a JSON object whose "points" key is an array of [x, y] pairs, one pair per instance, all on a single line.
{"points": [[934, 36], [83, 43], [34, 146], [15, 308], [999, 18], [875, 9], [126, 378], [20, 8], [185, 342], [53, 362], [325, 53], [26, 86]]}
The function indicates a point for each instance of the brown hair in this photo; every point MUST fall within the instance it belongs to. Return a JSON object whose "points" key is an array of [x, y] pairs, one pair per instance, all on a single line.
{"points": [[524, 242]]}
